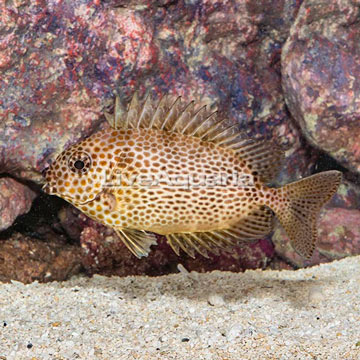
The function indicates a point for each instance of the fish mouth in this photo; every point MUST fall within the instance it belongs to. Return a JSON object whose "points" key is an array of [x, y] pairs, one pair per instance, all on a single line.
{"points": [[47, 189]]}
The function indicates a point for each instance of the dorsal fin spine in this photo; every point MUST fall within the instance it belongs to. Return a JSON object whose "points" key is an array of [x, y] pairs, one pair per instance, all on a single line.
{"points": [[159, 106], [197, 129], [142, 111], [228, 140], [170, 112], [193, 118], [212, 128], [187, 109], [110, 119], [216, 136]]}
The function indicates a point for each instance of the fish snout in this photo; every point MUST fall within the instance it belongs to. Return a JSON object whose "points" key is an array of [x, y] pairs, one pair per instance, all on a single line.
{"points": [[47, 189], [43, 173]]}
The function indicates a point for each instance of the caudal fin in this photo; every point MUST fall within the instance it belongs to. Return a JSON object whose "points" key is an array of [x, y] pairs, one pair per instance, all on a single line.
{"points": [[300, 206]]}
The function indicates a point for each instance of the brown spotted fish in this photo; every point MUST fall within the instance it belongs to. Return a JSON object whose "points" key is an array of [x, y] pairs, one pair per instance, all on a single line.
{"points": [[173, 170]]}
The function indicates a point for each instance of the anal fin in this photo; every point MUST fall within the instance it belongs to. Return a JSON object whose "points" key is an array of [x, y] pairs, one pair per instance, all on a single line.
{"points": [[256, 225], [137, 241]]}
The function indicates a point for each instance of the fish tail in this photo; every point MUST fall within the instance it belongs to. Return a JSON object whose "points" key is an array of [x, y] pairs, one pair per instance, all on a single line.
{"points": [[299, 207]]}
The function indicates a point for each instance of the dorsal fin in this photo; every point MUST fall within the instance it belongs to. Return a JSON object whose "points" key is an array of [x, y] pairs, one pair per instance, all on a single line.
{"points": [[137, 241], [133, 112], [173, 115], [255, 226], [146, 113], [263, 157]]}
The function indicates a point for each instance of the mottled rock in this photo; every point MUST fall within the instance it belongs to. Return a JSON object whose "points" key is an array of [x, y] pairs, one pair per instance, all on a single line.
{"points": [[25, 259], [68, 57], [339, 233], [62, 60], [15, 200], [248, 256], [347, 196], [300, 159], [320, 67], [72, 221], [104, 253], [321, 71]]}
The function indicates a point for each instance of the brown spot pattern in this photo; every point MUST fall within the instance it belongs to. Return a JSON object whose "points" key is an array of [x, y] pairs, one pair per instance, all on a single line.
{"points": [[167, 161]]}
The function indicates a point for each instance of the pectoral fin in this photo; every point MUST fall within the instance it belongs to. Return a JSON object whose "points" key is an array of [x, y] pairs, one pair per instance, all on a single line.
{"points": [[137, 241]]}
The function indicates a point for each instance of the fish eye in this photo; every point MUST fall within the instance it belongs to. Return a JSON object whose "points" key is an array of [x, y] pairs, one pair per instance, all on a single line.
{"points": [[79, 162]]}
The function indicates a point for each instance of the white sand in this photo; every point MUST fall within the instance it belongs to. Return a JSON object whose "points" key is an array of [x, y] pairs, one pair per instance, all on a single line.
{"points": [[305, 314]]}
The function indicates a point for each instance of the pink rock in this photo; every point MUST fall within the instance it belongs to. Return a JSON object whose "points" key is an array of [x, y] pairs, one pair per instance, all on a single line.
{"points": [[339, 233], [67, 59], [321, 68], [15, 200]]}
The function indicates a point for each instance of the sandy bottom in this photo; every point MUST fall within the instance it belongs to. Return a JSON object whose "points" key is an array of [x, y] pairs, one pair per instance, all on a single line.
{"points": [[306, 314]]}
